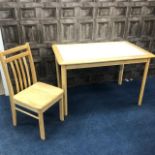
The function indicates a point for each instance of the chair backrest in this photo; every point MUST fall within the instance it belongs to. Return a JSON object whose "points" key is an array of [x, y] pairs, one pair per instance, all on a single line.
{"points": [[18, 68]]}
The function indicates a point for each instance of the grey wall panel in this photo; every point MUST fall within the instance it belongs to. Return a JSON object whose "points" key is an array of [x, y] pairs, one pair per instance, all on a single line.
{"points": [[68, 21]]}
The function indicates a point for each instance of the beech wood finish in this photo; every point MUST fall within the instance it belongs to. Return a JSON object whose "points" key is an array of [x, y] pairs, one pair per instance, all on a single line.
{"points": [[30, 95], [87, 55]]}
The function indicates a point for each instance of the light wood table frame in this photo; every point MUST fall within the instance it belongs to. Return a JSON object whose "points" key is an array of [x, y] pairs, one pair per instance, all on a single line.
{"points": [[127, 55]]}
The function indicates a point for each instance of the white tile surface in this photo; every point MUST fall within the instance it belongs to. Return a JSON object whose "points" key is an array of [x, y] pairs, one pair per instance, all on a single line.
{"points": [[93, 51]]}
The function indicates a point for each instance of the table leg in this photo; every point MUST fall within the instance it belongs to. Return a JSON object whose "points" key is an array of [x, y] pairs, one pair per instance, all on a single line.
{"points": [[58, 74], [120, 74], [64, 87], [143, 82]]}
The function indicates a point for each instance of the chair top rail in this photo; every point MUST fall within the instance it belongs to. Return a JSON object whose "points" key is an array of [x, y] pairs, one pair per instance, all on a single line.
{"points": [[15, 49], [15, 57]]}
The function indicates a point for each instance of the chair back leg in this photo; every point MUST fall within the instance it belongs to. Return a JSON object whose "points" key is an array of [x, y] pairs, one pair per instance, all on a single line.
{"points": [[14, 113], [61, 109]]}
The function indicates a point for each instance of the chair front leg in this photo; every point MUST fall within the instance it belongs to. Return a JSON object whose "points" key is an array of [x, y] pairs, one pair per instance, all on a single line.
{"points": [[41, 125], [61, 109]]}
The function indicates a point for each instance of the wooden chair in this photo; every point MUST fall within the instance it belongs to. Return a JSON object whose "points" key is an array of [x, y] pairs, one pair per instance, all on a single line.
{"points": [[31, 97]]}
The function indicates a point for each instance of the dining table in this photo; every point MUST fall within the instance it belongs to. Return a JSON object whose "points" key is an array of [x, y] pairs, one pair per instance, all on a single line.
{"points": [[99, 54]]}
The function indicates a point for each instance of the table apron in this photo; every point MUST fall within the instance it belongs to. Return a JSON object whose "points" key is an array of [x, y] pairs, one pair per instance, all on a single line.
{"points": [[101, 64]]}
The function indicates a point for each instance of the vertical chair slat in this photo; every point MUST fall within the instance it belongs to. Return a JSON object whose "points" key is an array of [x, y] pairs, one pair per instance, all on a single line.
{"points": [[19, 74], [33, 72], [23, 72], [27, 71], [15, 76]]}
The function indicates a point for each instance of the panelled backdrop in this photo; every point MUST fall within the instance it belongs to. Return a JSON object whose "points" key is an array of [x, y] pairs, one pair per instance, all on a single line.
{"points": [[66, 21]]}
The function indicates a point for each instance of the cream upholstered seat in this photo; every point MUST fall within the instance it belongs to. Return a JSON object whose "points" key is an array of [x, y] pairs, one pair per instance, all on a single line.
{"points": [[30, 97]]}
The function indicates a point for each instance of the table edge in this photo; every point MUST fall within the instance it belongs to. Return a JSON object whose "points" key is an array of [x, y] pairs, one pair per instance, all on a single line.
{"points": [[60, 60]]}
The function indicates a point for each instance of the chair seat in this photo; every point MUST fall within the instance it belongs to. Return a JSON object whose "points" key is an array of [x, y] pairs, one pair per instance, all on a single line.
{"points": [[38, 96]]}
